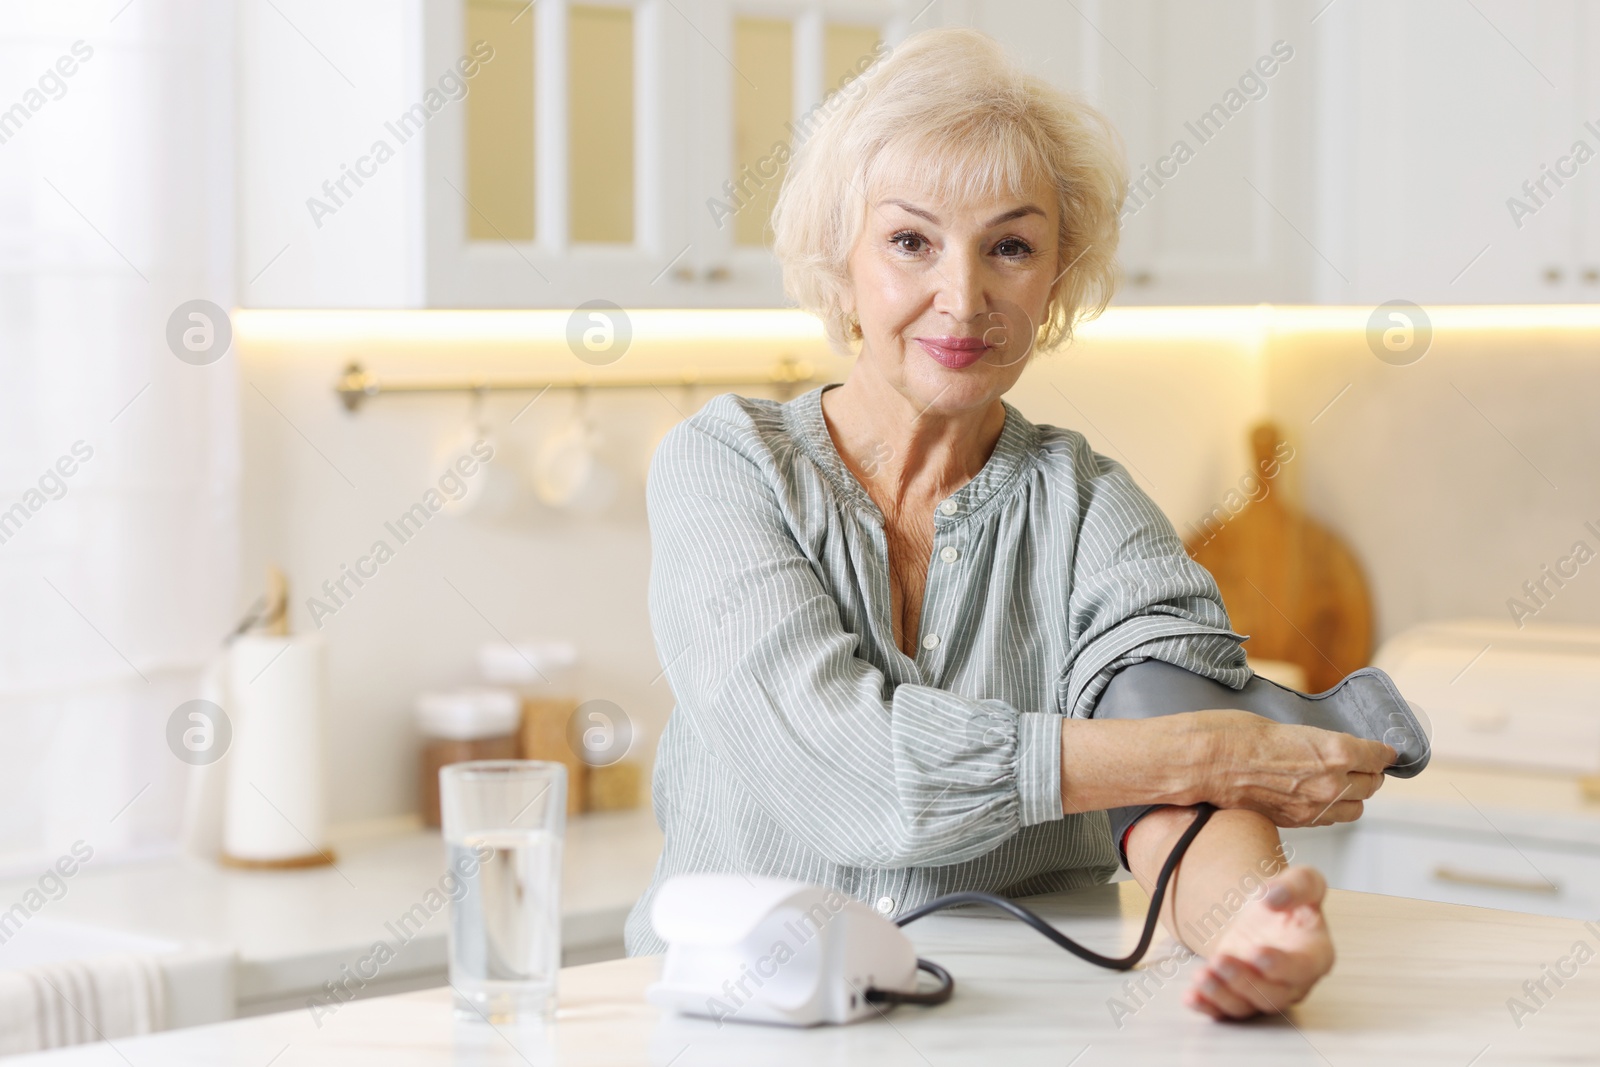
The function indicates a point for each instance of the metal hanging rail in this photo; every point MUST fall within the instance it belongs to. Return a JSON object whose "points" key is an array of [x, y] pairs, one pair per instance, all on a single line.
{"points": [[356, 386]]}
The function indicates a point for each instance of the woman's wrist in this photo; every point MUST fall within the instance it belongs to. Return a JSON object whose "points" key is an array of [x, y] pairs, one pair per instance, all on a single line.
{"points": [[1195, 760], [1121, 763]]}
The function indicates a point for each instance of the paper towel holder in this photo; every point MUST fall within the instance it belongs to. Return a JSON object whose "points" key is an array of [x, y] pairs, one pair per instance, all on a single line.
{"points": [[270, 618], [324, 858]]}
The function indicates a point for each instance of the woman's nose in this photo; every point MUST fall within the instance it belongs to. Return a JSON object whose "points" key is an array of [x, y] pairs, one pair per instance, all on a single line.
{"points": [[960, 287]]}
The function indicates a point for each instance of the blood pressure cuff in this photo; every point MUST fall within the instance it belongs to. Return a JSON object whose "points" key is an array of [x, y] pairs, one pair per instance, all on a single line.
{"points": [[1365, 704]]}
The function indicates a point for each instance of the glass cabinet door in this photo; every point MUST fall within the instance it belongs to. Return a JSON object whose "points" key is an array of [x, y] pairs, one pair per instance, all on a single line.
{"points": [[498, 200], [550, 187], [626, 150], [779, 62]]}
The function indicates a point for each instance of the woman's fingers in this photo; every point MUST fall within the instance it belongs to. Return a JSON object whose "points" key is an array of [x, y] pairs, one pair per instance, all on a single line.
{"points": [[1248, 990], [1274, 952], [1264, 996], [1346, 805], [1193, 999], [1231, 989], [1371, 757], [1200, 1003], [1289, 890], [1363, 785], [1337, 812], [1276, 966], [1295, 775], [1285, 973], [1215, 984]]}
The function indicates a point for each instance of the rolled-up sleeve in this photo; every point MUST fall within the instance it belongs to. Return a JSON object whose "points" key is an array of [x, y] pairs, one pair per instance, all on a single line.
{"points": [[1136, 594], [767, 676]]}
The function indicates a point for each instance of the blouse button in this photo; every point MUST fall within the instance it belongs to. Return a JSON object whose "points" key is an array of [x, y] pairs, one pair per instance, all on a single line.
{"points": [[931, 641], [885, 905], [949, 507], [949, 554]]}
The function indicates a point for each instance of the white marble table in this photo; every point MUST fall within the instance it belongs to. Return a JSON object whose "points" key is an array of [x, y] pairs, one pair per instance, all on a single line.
{"points": [[1416, 983]]}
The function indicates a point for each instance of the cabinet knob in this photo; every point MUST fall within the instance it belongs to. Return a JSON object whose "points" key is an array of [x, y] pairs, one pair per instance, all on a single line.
{"points": [[688, 275], [1591, 276], [1141, 277], [1552, 275]]}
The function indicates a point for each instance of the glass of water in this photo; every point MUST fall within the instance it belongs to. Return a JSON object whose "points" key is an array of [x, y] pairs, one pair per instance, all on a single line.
{"points": [[504, 822]]}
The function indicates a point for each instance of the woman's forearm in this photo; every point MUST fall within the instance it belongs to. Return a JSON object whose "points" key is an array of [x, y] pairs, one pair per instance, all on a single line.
{"points": [[1114, 763], [1294, 775], [1225, 866]]}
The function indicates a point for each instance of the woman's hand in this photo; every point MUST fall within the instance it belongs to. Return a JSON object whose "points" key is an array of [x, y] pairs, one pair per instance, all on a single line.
{"points": [[1272, 952], [1294, 775]]}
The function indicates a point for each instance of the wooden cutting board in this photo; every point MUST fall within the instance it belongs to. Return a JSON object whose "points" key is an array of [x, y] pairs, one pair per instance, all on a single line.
{"points": [[1286, 580]]}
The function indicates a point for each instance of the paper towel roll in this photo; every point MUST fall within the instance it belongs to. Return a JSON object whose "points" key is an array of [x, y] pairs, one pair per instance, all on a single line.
{"points": [[276, 814]]}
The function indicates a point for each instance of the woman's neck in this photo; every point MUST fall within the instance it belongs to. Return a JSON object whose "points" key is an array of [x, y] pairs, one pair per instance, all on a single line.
{"points": [[902, 450]]}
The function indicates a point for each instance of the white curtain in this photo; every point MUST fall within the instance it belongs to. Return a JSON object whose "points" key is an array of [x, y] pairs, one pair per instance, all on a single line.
{"points": [[116, 579]]}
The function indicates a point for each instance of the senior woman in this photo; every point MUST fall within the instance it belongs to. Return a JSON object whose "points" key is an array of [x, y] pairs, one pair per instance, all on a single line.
{"points": [[887, 607]]}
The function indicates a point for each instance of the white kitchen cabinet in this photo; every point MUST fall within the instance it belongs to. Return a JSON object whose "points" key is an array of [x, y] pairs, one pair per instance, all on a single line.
{"points": [[1439, 118], [1380, 162], [782, 60], [1483, 870], [1232, 85], [1581, 284], [1324, 847], [704, 78], [1223, 77], [625, 120], [513, 228], [316, 83], [1371, 152], [1430, 859], [1212, 100], [713, 84]]}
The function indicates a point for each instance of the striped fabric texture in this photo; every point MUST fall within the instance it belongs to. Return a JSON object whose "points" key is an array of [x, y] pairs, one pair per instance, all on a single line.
{"points": [[805, 745], [76, 1001]]}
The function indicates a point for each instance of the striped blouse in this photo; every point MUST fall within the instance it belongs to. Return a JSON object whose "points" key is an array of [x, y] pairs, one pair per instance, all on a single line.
{"points": [[806, 745]]}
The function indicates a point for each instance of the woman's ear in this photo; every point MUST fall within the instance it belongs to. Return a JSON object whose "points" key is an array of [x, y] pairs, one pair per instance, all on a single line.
{"points": [[847, 310]]}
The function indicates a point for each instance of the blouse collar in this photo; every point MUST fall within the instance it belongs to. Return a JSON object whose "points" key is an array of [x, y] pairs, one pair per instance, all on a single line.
{"points": [[1013, 453]]}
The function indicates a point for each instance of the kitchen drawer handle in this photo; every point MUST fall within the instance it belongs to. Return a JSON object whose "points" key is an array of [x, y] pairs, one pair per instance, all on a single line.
{"points": [[1489, 881]]}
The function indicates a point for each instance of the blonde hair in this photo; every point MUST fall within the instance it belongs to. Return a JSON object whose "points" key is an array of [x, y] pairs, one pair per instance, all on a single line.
{"points": [[950, 111]]}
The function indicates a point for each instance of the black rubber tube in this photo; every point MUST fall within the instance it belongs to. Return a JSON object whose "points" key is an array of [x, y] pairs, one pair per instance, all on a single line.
{"points": [[1203, 813], [947, 985]]}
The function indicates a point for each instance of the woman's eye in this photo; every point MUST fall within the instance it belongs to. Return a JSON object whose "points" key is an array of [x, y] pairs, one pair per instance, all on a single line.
{"points": [[909, 241], [913, 243]]}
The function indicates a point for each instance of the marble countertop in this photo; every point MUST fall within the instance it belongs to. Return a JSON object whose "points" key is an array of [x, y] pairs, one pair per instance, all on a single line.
{"points": [[1416, 983], [292, 930]]}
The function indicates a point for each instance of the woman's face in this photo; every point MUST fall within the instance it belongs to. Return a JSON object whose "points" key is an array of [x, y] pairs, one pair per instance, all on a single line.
{"points": [[949, 294]]}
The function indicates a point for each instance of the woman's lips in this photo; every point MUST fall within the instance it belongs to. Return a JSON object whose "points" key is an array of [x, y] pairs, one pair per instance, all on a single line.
{"points": [[954, 352]]}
